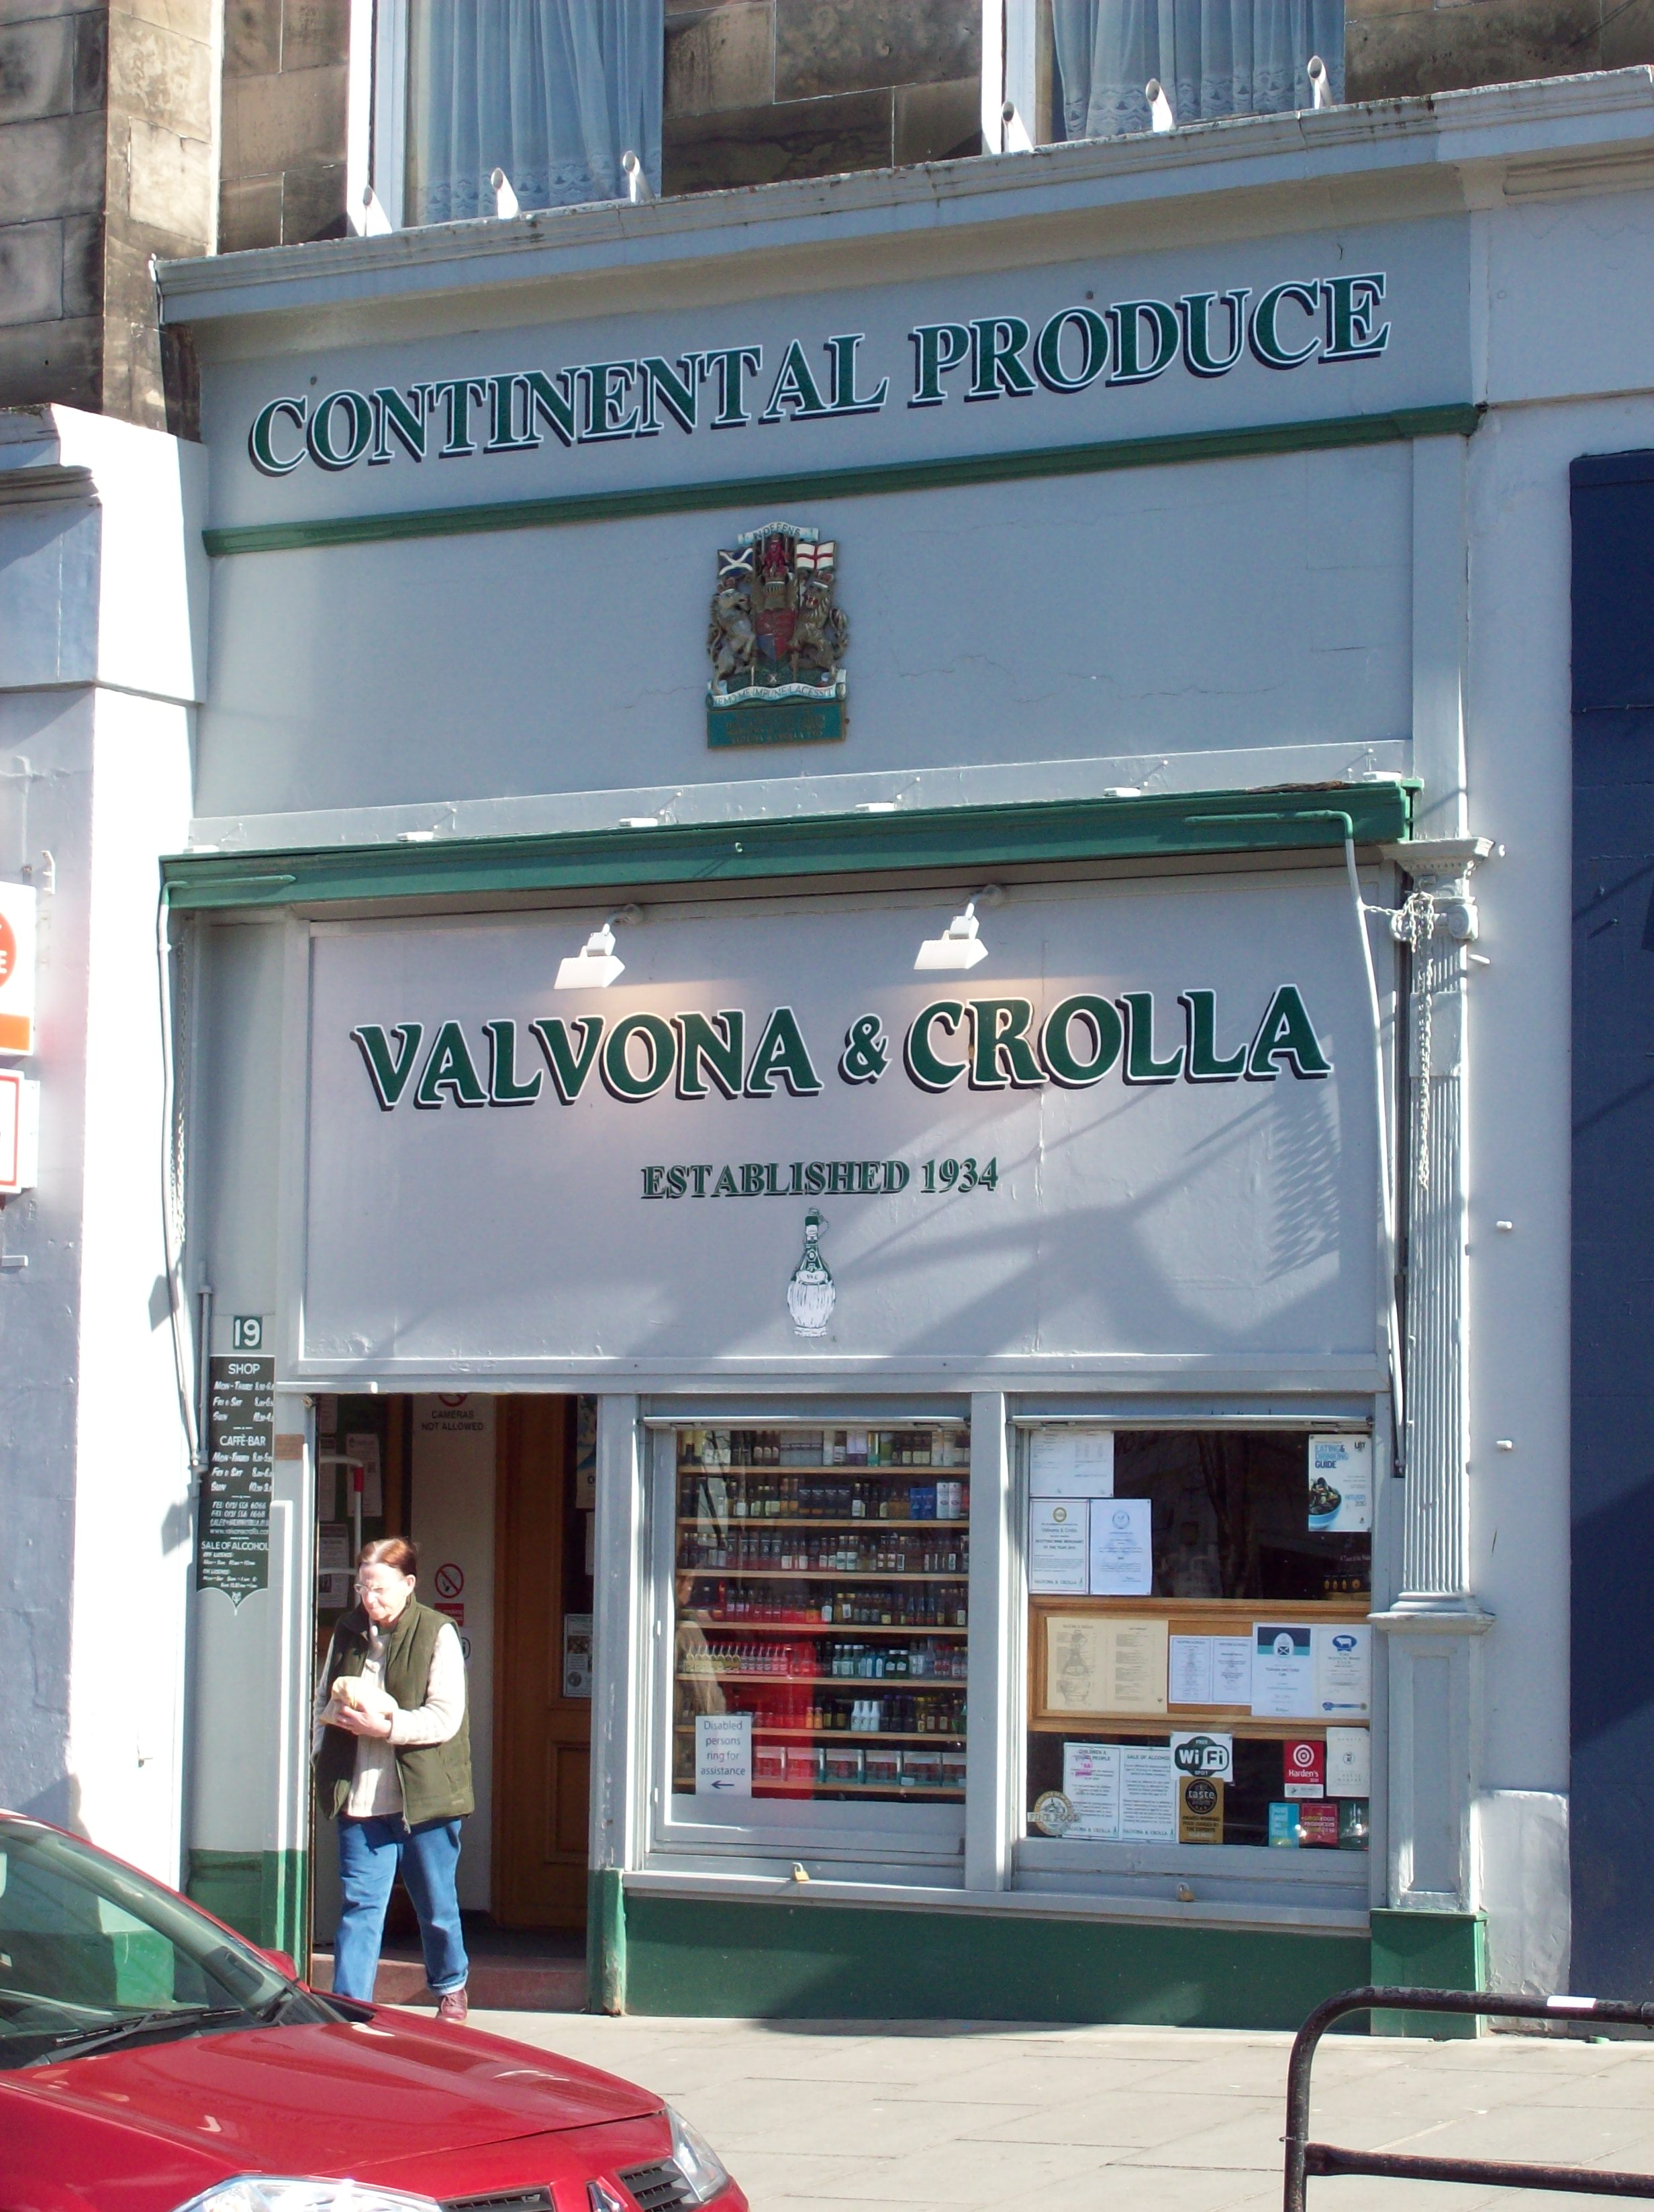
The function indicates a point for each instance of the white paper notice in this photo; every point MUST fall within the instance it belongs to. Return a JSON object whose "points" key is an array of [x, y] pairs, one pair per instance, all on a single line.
{"points": [[1343, 1671], [334, 1548], [1341, 1482], [723, 1754], [1283, 1671], [1188, 1670], [1232, 1670], [1057, 1556], [1122, 1562], [1148, 1795], [1091, 1782], [1349, 1763], [1071, 1462]]}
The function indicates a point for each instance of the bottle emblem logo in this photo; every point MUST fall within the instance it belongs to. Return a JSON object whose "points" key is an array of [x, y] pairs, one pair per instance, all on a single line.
{"points": [[812, 1294]]}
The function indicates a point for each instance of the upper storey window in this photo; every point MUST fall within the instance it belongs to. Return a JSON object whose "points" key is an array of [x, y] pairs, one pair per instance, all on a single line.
{"points": [[1103, 61], [551, 94]]}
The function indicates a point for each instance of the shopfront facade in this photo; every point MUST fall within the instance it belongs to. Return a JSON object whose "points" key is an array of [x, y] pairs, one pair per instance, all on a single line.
{"points": [[940, 1193]]}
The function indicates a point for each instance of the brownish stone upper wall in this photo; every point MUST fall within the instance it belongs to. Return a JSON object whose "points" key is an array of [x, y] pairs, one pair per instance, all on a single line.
{"points": [[1395, 48], [756, 90], [105, 159], [286, 78]]}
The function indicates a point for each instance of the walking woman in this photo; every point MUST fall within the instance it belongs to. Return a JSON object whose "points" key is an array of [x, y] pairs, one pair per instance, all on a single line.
{"points": [[393, 1761]]}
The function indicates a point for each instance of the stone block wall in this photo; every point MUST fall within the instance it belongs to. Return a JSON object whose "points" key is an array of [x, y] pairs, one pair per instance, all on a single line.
{"points": [[286, 74], [105, 158], [757, 90], [1394, 48]]}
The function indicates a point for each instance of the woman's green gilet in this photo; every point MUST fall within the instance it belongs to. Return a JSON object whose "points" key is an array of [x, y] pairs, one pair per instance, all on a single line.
{"points": [[435, 1778]]}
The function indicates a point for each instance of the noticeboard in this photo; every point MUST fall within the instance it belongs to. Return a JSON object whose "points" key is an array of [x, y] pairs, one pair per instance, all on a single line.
{"points": [[232, 1545]]}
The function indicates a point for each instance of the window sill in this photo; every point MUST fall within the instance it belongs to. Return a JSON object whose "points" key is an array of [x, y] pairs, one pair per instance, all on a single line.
{"points": [[663, 1880]]}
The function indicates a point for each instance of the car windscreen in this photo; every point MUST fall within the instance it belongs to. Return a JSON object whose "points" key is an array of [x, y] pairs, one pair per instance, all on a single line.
{"points": [[93, 1955]]}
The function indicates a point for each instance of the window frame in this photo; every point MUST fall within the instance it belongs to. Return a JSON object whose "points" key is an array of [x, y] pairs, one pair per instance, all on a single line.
{"points": [[894, 1842], [1345, 1885]]}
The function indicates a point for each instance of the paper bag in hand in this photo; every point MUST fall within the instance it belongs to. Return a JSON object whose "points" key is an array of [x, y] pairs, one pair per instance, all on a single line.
{"points": [[352, 1694]]}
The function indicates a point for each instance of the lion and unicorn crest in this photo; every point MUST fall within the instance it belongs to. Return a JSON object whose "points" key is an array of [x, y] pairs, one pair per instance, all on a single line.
{"points": [[776, 630]]}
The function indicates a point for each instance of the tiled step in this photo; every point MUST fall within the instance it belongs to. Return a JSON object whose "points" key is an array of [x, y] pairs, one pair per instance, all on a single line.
{"points": [[495, 1984]]}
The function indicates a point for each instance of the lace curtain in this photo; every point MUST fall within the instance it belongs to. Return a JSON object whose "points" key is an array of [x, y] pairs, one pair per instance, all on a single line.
{"points": [[1214, 57], [553, 92]]}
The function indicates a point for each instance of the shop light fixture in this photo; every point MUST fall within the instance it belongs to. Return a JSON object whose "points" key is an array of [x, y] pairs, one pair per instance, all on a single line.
{"points": [[959, 944], [596, 965]]}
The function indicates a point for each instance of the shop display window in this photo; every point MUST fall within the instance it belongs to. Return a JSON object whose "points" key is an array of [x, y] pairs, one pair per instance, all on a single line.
{"points": [[820, 1615], [1200, 1657]]}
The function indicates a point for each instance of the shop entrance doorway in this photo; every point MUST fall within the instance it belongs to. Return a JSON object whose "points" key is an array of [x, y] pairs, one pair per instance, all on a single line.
{"points": [[541, 1790], [498, 1493]]}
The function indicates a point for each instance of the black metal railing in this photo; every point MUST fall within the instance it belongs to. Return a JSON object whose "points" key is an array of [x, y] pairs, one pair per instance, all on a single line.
{"points": [[1304, 2158]]}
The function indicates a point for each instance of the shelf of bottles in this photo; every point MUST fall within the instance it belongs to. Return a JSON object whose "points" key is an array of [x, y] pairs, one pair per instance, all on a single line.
{"points": [[821, 1588]]}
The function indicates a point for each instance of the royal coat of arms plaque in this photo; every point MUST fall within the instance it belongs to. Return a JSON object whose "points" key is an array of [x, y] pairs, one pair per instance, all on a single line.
{"points": [[777, 641]]}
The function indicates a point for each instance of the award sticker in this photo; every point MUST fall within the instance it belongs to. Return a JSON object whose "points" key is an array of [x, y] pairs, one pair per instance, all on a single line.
{"points": [[1054, 1813]]}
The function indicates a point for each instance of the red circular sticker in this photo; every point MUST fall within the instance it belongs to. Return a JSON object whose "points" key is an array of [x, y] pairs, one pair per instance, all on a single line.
{"points": [[1304, 1755], [7, 951], [450, 1579]]}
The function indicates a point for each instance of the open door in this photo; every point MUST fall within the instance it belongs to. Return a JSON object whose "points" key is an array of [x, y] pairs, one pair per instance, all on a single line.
{"points": [[542, 1783]]}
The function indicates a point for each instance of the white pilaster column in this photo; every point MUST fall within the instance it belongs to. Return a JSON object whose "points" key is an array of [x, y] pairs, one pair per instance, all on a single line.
{"points": [[1434, 1625]]}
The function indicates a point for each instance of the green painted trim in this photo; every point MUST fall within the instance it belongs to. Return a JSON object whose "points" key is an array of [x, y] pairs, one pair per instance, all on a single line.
{"points": [[264, 1895], [692, 1956], [605, 1941], [977, 837], [1322, 435], [1428, 1951]]}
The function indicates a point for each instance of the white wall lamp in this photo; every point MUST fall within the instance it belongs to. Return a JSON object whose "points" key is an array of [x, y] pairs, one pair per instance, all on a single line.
{"points": [[960, 945], [1319, 84], [505, 200], [1161, 115], [595, 966]]}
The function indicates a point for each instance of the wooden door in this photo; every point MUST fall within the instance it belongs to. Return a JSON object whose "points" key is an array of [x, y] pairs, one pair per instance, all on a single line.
{"points": [[542, 1738]]}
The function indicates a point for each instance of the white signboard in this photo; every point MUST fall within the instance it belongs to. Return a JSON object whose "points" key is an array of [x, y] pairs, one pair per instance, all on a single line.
{"points": [[20, 1133], [781, 1143], [1343, 1671], [1123, 1560], [1091, 1782], [1341, 1482], [723, 1754], [1071, 1462], [1283, 1671], [1349, 1762], [1057, 1554]]}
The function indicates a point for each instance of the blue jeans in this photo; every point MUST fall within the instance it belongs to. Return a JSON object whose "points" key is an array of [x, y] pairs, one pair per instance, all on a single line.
{"points": [[370, 1852]]}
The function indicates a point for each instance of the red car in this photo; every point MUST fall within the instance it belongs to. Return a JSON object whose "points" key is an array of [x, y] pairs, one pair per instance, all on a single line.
{"points": [[151, 2060]]}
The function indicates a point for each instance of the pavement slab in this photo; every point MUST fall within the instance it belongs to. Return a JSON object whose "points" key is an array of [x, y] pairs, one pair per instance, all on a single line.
{"points": [[951, 2116]]}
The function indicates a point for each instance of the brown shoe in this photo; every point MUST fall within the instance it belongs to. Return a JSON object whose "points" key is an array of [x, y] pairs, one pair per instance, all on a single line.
{"points": [[452, 2008]]}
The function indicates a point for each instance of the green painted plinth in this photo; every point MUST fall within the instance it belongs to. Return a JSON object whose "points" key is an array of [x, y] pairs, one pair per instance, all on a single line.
{"points": [[775, 722], [264, 1895], [689, 1956], [1428, 1951]]}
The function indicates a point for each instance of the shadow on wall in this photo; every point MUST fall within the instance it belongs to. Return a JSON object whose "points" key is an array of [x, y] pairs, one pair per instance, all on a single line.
{"points": [[59, 1804]]}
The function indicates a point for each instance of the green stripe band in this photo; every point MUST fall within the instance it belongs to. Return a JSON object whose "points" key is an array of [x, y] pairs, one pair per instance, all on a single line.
{"points": [[1321, 435], [1155, 826]]}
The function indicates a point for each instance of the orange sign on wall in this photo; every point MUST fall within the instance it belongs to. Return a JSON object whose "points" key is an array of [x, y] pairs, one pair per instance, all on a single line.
{"points": [[17, 902]]}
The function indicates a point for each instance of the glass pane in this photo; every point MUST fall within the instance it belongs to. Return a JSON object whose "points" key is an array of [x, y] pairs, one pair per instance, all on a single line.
{"points": [[1198, 1637], [552, 91], [820, 1613], [1211, 58], [87, 1946]]}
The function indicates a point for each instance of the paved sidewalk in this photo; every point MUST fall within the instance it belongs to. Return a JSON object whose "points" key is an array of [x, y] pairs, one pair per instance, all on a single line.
{"points": [[813, 2118]]}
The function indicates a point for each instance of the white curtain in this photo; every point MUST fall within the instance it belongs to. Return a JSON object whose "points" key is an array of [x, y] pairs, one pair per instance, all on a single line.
{"points": [[1214, 57], [553, 92]]}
